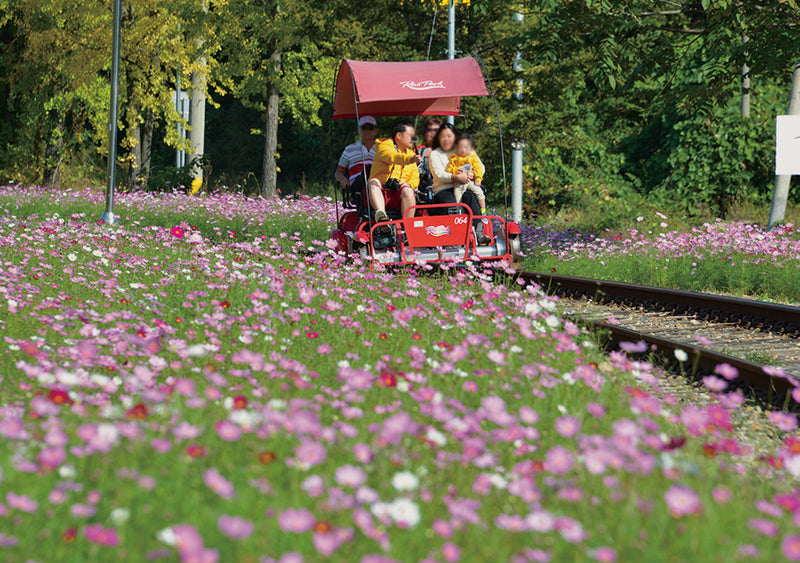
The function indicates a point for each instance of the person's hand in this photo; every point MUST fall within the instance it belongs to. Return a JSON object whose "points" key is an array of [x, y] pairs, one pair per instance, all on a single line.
{"points": [[404, 185], [470, 175], [460, 178], [344, 183], [417, 159]]}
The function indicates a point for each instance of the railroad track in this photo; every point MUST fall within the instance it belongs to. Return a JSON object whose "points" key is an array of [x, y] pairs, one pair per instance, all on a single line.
{"points": [[761, 340]]}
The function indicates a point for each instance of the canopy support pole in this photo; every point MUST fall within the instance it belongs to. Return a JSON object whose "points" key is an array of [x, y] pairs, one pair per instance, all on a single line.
{"points": [[500, 132], [363, 152], [451, 40]]}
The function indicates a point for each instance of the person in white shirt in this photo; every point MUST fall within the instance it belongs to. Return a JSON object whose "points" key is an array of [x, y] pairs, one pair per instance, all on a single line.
{"points": [[356, 160]]}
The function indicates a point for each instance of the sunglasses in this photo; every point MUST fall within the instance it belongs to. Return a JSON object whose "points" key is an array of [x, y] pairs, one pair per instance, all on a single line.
{"points": [[368, 127], [431, 129]]}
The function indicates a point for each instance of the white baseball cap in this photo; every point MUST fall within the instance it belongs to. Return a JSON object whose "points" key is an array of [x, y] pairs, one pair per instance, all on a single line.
{"points": [[367, 119]]}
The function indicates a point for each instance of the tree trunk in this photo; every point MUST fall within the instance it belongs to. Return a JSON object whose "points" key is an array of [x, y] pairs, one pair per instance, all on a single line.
{"points": [[54, 155], [147, 145], [135, 156], [269, 179], [780, 192]]}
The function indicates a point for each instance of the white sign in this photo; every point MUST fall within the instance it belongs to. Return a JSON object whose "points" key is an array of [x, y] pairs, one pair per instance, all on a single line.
{"points": [[787, 145]]}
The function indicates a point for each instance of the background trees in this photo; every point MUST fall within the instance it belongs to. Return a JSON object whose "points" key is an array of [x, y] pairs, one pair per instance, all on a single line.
{"points": [[622, 101]]}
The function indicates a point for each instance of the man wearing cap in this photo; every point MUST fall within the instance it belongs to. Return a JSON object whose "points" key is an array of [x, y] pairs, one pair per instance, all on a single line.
{"points": [[358, 156]]}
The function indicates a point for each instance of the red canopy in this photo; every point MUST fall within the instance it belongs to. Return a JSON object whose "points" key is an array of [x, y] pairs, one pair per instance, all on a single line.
{"points": [[408, 88]]}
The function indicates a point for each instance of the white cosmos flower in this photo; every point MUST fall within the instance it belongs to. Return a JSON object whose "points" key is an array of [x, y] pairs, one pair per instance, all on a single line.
{"points": [[681, 355], [436, 437], [404, 511], [792, 465], [552, 321], [498, 481], [166, 536], [276, 404], [405, 481], [197, 350], [66, 472], [119, 516]]}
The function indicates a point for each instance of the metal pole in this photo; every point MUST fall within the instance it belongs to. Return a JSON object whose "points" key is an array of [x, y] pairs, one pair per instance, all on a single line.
{"points": [[108, 215], [780, 192], [451, 40], [179, 110], [517, 146]]}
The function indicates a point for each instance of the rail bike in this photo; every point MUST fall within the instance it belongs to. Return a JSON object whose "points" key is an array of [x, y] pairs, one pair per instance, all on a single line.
{"points": [[429, 232]]}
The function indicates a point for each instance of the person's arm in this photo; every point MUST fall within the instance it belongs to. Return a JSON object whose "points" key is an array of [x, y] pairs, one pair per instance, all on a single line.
{"points": [[452, 167], [341, 177], [413, 177], [387, 153], [477, 167], [438, 165]]}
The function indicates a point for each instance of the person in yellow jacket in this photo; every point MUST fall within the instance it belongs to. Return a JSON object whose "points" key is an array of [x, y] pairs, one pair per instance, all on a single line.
{"points": [[464, 160], [394, 159]]}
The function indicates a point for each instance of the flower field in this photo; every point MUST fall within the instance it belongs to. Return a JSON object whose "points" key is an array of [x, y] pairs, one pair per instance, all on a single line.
{"points": [[192, 385], [719, 256]]}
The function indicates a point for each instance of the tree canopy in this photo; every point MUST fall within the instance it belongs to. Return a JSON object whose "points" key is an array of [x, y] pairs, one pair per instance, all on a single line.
{"points": [[621, 96]]}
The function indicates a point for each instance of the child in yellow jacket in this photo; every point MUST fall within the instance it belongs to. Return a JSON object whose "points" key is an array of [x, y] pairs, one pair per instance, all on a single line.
{"points": [[465, 159]]}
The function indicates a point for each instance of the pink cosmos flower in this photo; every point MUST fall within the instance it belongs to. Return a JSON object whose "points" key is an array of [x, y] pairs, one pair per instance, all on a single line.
{"points": [[451, 552], [177, 232], [605, 554], [362, 452], [443, 528], [596, 410], [296, 520], [682, 501], [218, 483], [235, 527], [95, 533], [785, 421], [82, 510], [763, 526], [21, 502], [228, 431], [568, 426], [721, 495], [327, 542], [715, 383], [310, 453], [558, 460], [350, 476], [52, 457], [791, 547], [727, 371]]}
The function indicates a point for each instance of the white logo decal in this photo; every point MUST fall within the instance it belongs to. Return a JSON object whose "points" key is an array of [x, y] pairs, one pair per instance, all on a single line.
{"points": [[462, 220], [423, 85]]}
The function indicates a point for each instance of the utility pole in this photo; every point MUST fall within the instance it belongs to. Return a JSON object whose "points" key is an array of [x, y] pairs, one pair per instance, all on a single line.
{"points": [[108, 217], [780, 192], [517, 145], [451, 40]]}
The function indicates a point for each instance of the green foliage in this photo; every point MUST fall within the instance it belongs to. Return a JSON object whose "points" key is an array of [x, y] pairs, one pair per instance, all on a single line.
{"points": [[705, 162], [170, 178]]}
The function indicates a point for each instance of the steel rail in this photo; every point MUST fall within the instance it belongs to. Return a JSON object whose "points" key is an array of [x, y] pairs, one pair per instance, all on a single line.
{"points": [[750, 312]]}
